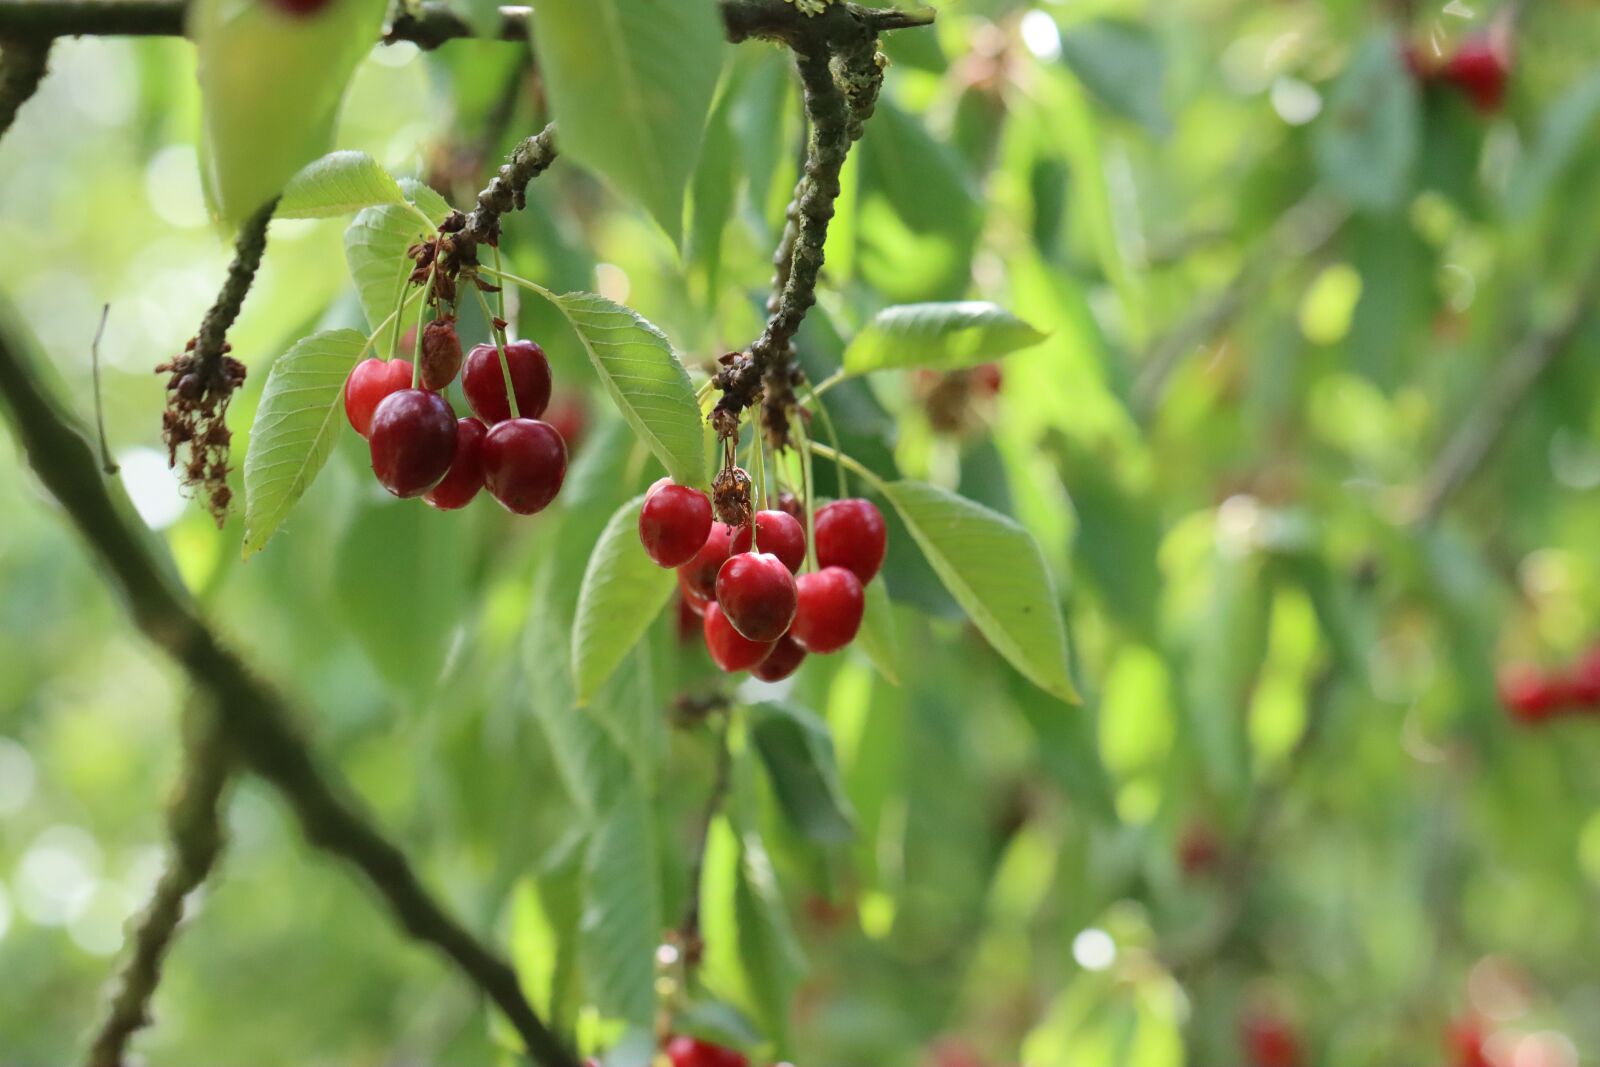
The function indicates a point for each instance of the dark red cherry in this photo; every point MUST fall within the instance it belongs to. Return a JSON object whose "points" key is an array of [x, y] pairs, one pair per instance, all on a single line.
{"points": [[1527, 694], [441, 354], [524, 464], [485, 385], [686, 1051], [730, 650], [570, 416], [829, 609], [413, 441], [674, 524], [757, 594], [1583, 684], [700, 573], [299, 8], [370, 381], [851, 534], [1480, 68], [779, 533], [686, 619], [784, 659], [465, 478], [1270, 1041], [793, 507], [696, 602]]}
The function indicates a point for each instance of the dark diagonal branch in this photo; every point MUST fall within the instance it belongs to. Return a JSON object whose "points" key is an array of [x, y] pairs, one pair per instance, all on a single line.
{"points": [[247, 252], [22, 67], [257, 720], [1508, 386], [194, 829]]}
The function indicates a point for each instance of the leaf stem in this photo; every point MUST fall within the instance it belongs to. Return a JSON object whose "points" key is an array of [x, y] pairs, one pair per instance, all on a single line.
{"points": [[844, 460], [507, 276], [829, 382]]}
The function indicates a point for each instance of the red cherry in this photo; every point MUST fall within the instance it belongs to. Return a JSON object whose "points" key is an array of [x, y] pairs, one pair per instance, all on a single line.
{"points": [[696, 602], [700, 573], [1270, 1042], [779, 533], [686, 1051], [686, 620], [370, 381], [830, 605], [524, 463], [466, 469], [1583, 685], [784, 659], [674, 524], [1527, 694], [485, 384], [413, 441], [730, 649], [851, 534], [1465, 1038], [757, 594], [1480, 68], [299, 8], [570, 416]]}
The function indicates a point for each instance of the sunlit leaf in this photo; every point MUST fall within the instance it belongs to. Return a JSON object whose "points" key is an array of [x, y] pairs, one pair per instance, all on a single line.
{"points": [[375, 246], [631, 82], [622, 912], [877, 639], [938, 336], [623, 591], [995, 571], [337, 184], [645, 377], [293, 432]]}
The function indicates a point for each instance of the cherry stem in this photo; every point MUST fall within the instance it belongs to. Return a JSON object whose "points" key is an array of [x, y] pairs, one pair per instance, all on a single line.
{"points": [[500, 350], [400, 299], [805, 491], [761, 467], [829, 382], [833, 437], [416, 348]]}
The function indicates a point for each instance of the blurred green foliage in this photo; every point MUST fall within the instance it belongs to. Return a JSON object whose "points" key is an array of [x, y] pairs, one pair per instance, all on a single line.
{"points": [[1277, 275]]}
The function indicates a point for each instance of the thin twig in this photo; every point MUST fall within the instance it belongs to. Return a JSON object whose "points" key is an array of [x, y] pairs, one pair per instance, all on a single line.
{"points": [[194, 830], [258, 720], [689, 940], [1508, 386], [107, 464], [507, 191]]}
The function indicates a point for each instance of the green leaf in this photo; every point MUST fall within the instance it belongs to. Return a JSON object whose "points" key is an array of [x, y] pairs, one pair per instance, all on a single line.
{"points": [[996, 572], [877, 639], [294, 428], [798, 752], [719, 1023], [771, 957], [646, 378], [545, 914], [270, 85], [375, 246], [631, 82], [427, 199], [337, 184], [622, 913], [941, 336], [622, 593], [1365, 144], [1123, 65]]}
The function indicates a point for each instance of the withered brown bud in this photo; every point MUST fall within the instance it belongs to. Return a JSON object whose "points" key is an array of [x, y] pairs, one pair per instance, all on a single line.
{"points": [[441, 354], [730, 496]]}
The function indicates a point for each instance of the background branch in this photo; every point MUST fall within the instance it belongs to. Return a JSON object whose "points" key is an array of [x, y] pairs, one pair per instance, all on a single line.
{"points": [[194, 830], [22, 67], [257, 719], [1508, 386]]}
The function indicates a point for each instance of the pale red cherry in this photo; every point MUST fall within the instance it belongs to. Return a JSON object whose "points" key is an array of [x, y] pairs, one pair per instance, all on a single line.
{"points": [[781, 534], [674, 524], [757, 593], [700, 573], [369, 383], [830, 604], [730, 650], [851, 534], [696, 602]]}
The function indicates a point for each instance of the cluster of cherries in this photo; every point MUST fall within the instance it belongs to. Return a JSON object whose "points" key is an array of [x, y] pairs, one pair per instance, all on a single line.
{"points": [[420, 448], [686, 1051], [758, 613], [1532, 695], [1479, 68]]}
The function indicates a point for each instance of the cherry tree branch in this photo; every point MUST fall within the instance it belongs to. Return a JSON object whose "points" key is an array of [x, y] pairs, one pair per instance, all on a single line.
{"points": [[194, 828], [248, 249], [22, 67], [257, 720]]}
